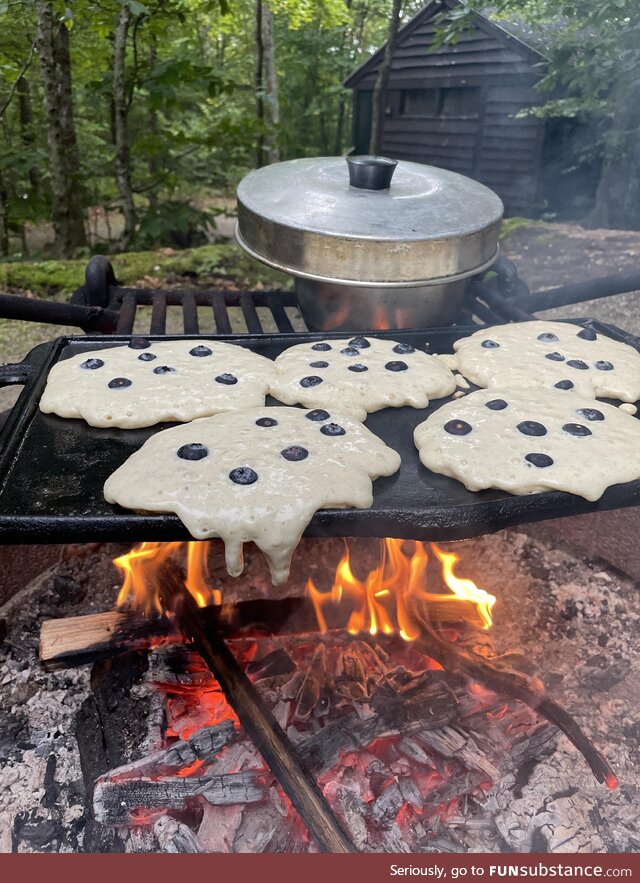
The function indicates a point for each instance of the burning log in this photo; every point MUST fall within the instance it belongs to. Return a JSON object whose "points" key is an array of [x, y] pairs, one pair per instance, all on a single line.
{"points": [[113, 798], [203, 746], [529, 690], [255, 717], [77, 640]]}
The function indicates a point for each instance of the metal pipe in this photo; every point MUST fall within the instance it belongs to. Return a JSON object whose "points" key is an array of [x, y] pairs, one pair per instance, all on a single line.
{"points": [[578, 292], [13, 306]]}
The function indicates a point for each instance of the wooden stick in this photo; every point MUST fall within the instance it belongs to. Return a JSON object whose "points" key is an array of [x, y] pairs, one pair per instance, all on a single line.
{"points": [[518, 686], [77, 640], [261, 726]]}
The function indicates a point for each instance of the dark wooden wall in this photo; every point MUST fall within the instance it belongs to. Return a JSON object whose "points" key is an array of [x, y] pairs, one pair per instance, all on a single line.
{"points": [[489, 145]]}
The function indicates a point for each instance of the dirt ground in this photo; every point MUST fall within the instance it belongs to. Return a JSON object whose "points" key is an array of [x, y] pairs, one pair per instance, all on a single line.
{"points": [[549, 255]]}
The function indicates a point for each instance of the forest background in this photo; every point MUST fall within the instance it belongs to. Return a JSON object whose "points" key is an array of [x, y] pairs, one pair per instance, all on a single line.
{"points": [[141, 111]]}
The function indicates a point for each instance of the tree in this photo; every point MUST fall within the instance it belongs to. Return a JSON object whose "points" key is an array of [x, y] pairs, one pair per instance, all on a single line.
{"points": [[121, 128], [267, 106], [52, 44], [379, 97]]}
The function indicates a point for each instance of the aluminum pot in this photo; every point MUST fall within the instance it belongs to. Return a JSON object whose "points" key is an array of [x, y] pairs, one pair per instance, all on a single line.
{"points": [[368, 251]]}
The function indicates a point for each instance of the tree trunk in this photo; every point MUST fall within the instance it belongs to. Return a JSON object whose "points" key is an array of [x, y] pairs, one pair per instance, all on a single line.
{"points": [[121, 133], [258, 82], [379, 97], [27, 137], [618, 196], [152, 122], [4, 218], [270, 80], [55, 70]]}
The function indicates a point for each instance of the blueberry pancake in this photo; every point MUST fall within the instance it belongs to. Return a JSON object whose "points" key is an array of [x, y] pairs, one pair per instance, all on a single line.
{"points": [[146, 382], [524, 441], [557, 355], [359, 375], [257, 475]]}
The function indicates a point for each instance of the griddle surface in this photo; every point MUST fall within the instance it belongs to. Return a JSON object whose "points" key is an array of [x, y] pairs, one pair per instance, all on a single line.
{"points": [[52, 470]]}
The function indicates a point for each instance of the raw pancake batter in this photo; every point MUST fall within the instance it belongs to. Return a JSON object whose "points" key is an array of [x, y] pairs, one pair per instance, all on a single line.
{"points": [[256, 475], [359, 375], [558, 355], [524, 441], [148, 382]]}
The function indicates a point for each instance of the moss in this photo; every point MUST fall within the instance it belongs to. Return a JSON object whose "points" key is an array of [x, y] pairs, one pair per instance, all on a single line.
{"points": [[511, 225], [226, 261]]}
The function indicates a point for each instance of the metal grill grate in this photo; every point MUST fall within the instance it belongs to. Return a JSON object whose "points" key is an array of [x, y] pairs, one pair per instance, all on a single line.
{"points": [[230, 312]]}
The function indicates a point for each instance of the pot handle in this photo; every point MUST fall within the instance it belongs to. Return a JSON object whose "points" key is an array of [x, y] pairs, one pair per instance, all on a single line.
{"points": [[371, 172]]}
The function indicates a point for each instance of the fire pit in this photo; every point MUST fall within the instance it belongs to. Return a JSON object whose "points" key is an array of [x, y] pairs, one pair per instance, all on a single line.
{"points": [[146, 753]]}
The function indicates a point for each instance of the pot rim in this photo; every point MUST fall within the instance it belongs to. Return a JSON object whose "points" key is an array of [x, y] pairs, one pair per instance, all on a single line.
{"points": [[440, 280]]}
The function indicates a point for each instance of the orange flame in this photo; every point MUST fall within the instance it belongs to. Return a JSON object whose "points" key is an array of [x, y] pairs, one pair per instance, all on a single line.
{"points": [[384, 600], [140, 567]]}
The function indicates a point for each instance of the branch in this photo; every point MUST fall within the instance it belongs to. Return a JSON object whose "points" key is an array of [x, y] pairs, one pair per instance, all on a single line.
{"points": [[14, 85]]}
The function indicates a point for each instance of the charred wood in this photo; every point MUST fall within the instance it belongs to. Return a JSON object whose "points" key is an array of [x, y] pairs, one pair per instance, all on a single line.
{"points": [[116, 801]]}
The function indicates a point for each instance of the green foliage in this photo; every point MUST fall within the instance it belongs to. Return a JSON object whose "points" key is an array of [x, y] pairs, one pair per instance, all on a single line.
{"points": [[176, 222], [190, 84]]}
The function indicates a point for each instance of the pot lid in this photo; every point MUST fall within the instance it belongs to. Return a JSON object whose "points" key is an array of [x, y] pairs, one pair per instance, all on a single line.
{"points": [[369, 219]]}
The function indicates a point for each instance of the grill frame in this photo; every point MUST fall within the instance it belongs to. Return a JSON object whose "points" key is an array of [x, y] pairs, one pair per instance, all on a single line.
{"points": [[413, 504]]}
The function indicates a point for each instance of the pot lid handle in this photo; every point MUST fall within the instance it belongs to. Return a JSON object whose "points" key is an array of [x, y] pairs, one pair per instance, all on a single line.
{"points": [[371, 172]]}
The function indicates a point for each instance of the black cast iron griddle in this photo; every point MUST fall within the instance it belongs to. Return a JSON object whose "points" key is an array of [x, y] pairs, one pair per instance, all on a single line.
{"points": [[52, 470]]}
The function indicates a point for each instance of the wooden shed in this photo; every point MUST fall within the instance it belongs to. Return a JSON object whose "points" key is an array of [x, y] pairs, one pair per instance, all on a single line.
{"points": [[455, 106]]}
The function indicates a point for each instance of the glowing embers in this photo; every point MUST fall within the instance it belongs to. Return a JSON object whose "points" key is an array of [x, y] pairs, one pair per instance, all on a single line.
{"points": [[395, 596], [141, 567]]}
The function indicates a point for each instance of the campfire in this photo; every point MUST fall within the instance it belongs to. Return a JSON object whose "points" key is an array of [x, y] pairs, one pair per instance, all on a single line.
{"points": [[361, 716]]}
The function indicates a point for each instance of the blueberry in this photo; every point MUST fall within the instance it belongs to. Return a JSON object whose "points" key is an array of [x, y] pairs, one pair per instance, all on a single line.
{"points": [[164, 369], [358, 368], [457, 427], [332, 429], [92, 364], [227, 379], [139, 343], [194, 451], [590, 413], [496, 404], [313, 380], [321, 347], [555, 357], [540, 460], [576, 429], [403, 349], [396, 366], [490, 345], [350, 351], [119, 383], [563, 384], [200, 351], [604, 366], [147, 357], [295, 452], [577, 363], [243, 475], [587, 334], [360, 342], [266, 421], [318, 364], [547, 337], [317, 414], [530, 427]]}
